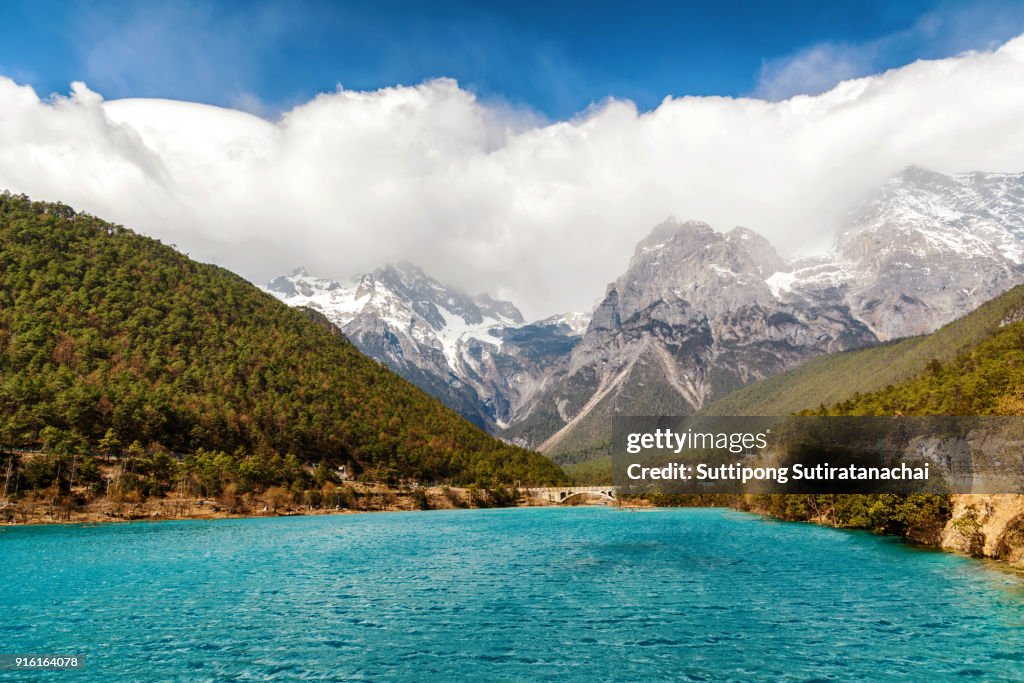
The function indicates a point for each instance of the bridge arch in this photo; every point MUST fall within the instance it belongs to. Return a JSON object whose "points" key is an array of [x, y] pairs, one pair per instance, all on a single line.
{"points": [[560, 494], [603, 495]]}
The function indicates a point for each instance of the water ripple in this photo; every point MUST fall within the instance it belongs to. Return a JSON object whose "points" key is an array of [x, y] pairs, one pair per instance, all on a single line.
{"points": [[532, 594]]}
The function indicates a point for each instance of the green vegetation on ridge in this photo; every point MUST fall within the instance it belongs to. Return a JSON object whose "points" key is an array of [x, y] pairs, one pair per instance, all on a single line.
{"points": [[973, 366], [109, 339], [987, 379], [834, 378]]}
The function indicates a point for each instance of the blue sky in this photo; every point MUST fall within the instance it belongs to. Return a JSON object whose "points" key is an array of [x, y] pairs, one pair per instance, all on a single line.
{"points": [[554, 58]]}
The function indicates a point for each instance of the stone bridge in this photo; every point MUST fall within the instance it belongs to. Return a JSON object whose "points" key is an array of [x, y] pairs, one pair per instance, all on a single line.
{"points": [[563, 494]]}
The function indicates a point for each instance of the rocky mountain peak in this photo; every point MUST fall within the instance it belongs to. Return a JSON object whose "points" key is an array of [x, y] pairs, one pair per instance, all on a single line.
{"points": [[283, 286], [919, 176], [926, 248], [970, 213], [495, 308], [299, 283], [674, 234], [761, 252], [475, 352], [691, 262], [406, 277]]}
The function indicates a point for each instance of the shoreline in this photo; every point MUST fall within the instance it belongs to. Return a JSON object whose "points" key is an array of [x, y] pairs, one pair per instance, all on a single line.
{"points": [[313, 513], [381, 499], [985, 527], [370, 498], [96, 520]]}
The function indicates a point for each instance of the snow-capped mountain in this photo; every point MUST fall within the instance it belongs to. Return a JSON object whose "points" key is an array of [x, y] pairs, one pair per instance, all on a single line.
{"points": [[692, 318], [474, 352], [924, 249], [697, 313]]}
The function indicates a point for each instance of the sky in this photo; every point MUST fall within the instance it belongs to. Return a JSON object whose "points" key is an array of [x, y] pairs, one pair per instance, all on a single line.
{"points": [[519, 148]]}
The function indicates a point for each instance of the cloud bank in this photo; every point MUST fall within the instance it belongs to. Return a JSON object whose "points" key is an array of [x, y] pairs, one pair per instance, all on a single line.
{"points": [[486, 197]]}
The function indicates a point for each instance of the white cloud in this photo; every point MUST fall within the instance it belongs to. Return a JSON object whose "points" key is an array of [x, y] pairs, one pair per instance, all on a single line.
{"points": [[486, 197], [947, 30], [814, 70]]}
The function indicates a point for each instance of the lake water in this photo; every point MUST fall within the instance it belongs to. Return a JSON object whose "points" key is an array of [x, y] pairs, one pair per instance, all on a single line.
{"points": [[550, 594]]}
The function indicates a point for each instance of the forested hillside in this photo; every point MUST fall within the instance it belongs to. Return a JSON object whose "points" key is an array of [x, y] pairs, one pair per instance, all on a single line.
{"points": [[974, 366], [987, 379], [108, 338], [928, 363]]}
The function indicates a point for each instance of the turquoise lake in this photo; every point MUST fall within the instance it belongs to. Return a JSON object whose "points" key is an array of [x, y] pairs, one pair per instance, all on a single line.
{"points": [[522, 594]]}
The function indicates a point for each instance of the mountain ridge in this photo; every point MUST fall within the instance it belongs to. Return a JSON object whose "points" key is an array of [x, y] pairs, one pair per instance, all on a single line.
{"points": [[828, 380], [699, 313], [477, 353]]}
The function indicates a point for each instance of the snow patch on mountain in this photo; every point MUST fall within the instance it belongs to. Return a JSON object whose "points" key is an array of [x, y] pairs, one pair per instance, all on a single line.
{"points": [[456, 332], [780, 282], [475, 353]]}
